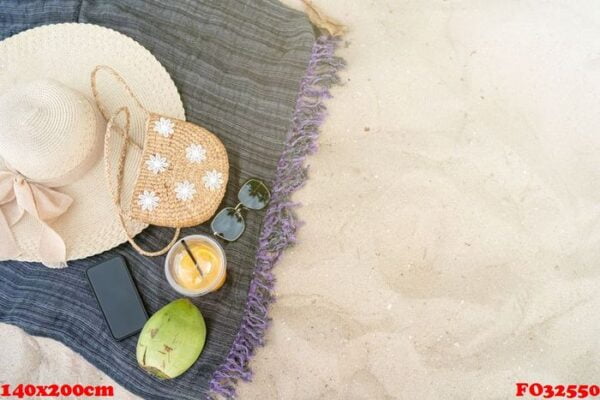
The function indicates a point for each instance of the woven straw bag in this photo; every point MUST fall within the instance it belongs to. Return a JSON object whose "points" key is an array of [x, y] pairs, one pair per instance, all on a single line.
{"points": [[183, 174]]}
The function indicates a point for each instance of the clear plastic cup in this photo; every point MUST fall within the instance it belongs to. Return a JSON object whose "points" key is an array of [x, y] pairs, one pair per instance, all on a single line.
{"points": [[181, 271]]}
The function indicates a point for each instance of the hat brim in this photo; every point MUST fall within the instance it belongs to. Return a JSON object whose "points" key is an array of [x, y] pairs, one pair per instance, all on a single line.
{"points": [[68, 53]]}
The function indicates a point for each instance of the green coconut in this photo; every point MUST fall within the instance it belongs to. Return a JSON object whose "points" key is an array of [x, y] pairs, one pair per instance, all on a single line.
{"points": [[171, 340]]}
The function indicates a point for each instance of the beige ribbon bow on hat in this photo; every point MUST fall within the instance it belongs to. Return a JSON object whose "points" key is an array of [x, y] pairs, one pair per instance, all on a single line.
{"points": [[17, 196]]}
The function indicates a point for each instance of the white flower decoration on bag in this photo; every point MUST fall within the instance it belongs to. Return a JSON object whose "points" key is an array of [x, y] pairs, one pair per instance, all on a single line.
{"points": [[195, 153], [164, 127], [157, 163], [148, 200], [185, 190], [212, 180]]}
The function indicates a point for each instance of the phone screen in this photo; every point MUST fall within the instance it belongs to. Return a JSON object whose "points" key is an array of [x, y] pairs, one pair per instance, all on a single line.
{"points": [[118, 297]]}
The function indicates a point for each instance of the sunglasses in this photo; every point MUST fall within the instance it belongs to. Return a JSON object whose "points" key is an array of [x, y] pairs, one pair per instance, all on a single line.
{"points": [[229, 223]]}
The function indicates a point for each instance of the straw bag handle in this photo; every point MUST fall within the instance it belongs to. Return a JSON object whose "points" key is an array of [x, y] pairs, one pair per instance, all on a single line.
{"points": [[116, 192], [120, 79], [125, 86]]}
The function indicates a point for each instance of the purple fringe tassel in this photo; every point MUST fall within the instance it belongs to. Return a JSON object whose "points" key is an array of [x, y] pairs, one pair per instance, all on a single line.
{"points": [[280, 223]]}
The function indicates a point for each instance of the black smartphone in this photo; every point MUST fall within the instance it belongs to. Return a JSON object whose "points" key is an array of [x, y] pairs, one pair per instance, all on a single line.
{"points": [[118, 297]]}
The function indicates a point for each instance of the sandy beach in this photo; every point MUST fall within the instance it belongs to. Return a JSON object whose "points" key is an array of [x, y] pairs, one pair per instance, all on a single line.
{"points": [[452, 214]]}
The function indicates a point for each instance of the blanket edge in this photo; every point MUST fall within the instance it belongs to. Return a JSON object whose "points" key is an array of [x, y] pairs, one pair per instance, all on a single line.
{"points": [[281, 223]]}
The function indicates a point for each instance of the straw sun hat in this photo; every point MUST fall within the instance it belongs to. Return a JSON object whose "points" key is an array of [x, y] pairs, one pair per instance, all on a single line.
{"points": [[54, 201]]}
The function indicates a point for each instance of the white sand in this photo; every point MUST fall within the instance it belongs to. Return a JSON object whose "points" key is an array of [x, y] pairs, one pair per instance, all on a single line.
{"points": [[453, 234]]}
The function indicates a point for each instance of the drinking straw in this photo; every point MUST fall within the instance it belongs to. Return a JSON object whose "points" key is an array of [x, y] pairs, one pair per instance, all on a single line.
{"points": [[192, 257]]}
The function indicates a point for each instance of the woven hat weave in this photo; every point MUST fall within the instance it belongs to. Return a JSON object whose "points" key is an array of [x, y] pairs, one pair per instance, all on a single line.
{"points": [[52, 133]]}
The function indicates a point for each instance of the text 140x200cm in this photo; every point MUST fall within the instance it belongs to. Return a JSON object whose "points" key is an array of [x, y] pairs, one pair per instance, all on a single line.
{"points": [[28, 390]]}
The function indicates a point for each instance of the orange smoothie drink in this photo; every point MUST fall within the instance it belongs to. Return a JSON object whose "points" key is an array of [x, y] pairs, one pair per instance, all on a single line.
{"points": [[196, 265]]}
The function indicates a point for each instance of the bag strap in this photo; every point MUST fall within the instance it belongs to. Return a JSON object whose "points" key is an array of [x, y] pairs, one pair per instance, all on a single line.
{"points": [[96, 93], [116, 192], [119, 79]]}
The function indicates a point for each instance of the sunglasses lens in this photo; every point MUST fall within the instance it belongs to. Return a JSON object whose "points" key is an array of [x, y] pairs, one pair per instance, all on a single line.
{"points": [[254, 195], [228, 224]]}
